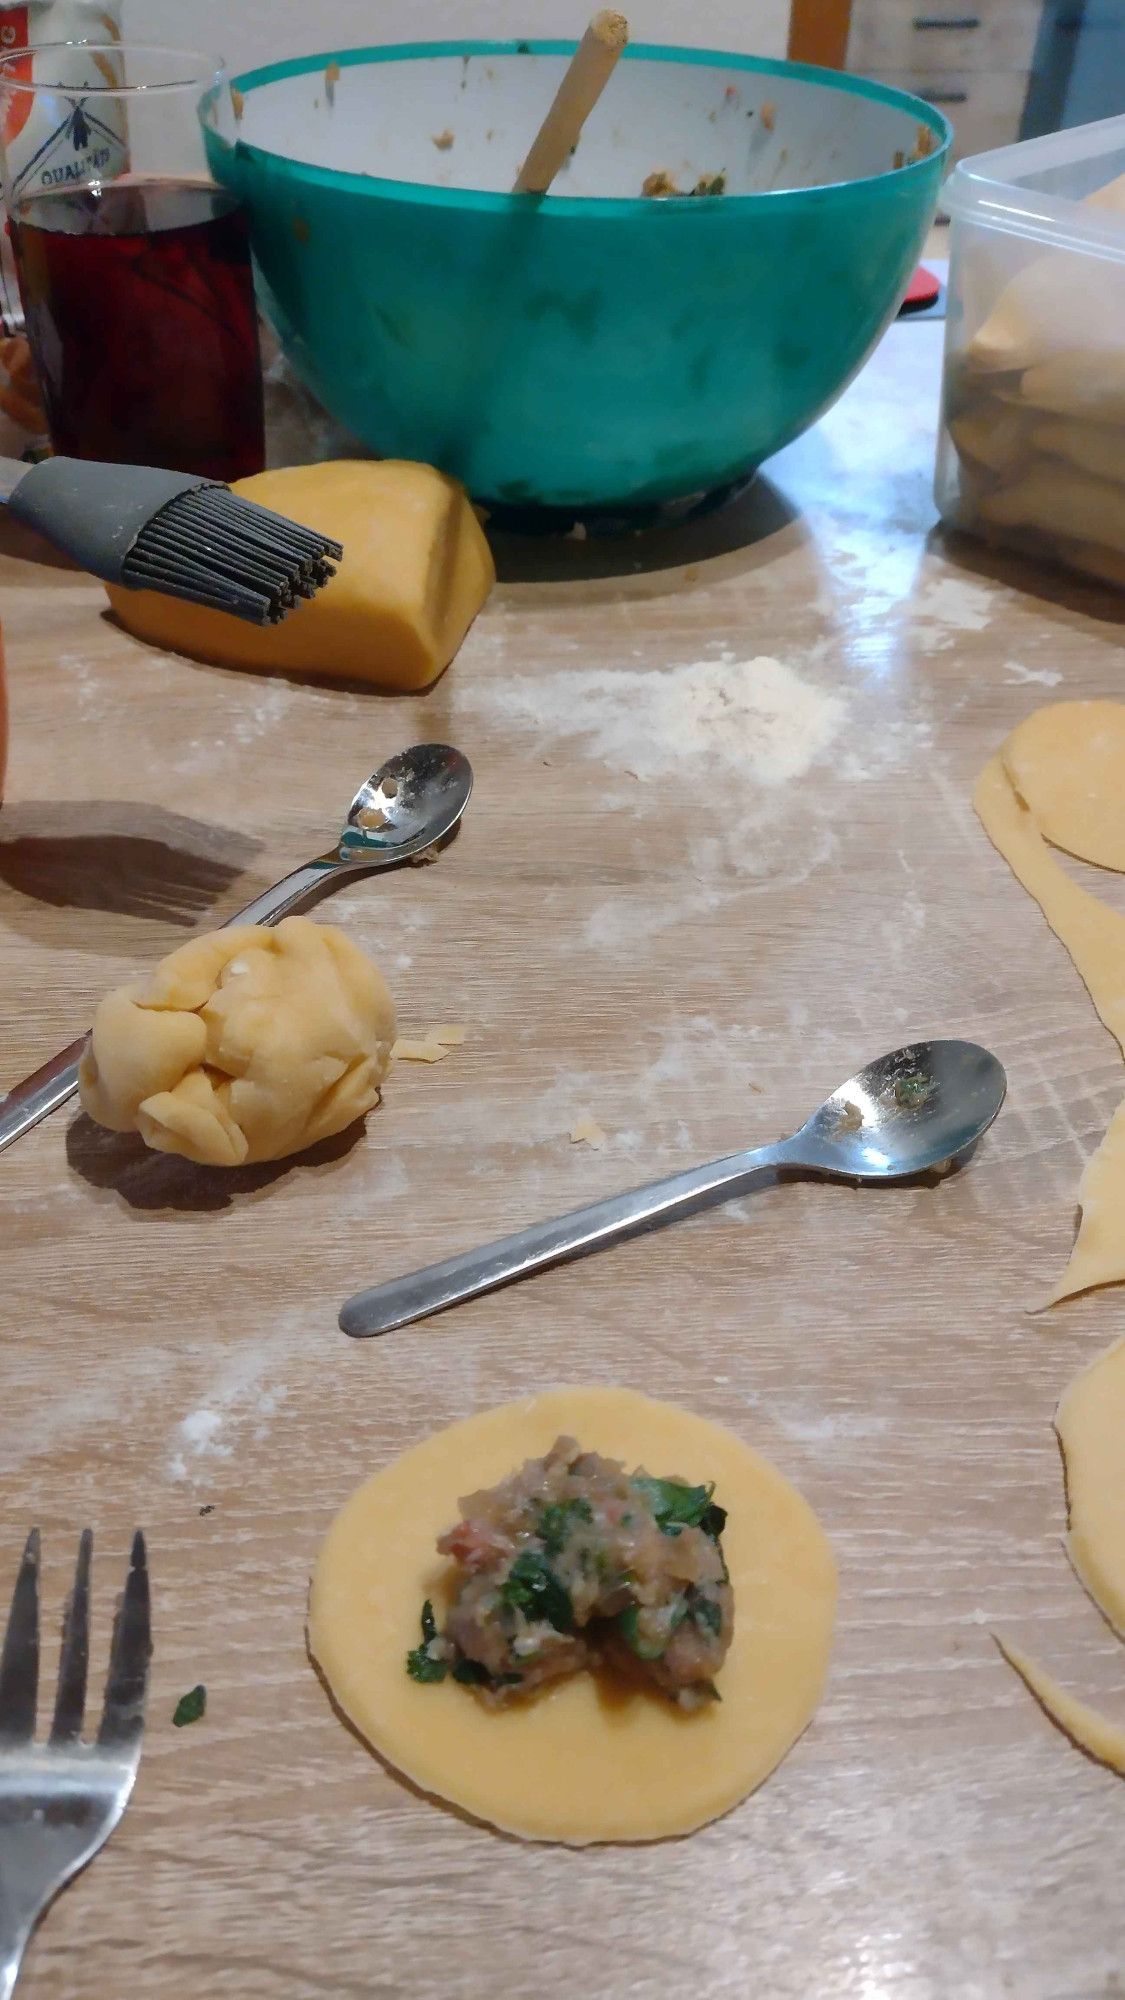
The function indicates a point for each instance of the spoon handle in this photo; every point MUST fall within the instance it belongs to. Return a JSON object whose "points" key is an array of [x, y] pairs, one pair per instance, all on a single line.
{"points": [[275, 903], [40, 1093], [384, 1307]]}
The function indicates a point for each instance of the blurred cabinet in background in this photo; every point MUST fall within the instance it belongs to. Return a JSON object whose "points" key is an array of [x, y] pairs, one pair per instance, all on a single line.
{"points": [[973, 61], [1001, 70]]}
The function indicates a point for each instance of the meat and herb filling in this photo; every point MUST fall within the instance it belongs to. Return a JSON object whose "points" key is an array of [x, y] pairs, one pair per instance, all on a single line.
{"points": [[574, 1562]]}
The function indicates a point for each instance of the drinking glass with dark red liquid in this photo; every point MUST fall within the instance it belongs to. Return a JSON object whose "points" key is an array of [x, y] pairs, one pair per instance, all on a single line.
{"points": [[135, 267]]}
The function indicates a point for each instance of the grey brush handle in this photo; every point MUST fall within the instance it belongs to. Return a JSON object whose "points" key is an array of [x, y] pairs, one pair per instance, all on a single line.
{"points": [[384, 1307], [48, 1088], [93, 513]]}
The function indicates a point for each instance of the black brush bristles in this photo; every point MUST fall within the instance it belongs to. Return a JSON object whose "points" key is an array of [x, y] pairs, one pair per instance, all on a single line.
{"points": [[214, 548]]}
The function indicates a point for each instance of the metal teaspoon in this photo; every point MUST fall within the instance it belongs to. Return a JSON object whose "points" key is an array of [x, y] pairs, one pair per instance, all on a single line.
{"points": [[918, 1108], [409, 804]]}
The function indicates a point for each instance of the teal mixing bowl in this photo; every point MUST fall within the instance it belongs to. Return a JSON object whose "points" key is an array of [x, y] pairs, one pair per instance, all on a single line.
{"points": [[596, 347]]}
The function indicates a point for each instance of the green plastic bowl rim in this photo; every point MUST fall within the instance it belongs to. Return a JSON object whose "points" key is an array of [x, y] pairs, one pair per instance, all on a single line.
{"points": [[588, 206]]}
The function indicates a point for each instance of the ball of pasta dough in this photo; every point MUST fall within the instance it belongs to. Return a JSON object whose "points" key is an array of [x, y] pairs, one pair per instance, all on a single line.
{"points": [[246, 1044]]}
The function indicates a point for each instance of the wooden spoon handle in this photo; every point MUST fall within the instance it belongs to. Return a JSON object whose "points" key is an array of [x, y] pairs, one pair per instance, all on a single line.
{"points": [[590, 70]]}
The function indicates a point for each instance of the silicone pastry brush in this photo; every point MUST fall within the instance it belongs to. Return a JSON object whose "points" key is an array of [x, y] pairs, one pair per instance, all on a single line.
{"points": [[172, 532]]}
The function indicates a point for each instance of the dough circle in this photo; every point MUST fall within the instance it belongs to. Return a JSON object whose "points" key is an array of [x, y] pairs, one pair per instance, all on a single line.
{"points": [[1067, 762], [587, 1760]]}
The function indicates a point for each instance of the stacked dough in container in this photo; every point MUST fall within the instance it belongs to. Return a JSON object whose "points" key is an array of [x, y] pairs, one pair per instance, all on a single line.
{"points": [[1035, 406]]}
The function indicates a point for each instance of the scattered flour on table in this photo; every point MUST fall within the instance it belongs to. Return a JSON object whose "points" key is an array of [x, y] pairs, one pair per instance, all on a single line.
{"points": [[805, 1427], [242, 1393], [946, 607], [755, 716], [1016, 675], [621, 923]]}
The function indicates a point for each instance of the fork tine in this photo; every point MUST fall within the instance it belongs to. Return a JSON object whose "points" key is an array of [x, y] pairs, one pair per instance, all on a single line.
{"points": [[19, 1662], [70, 1702], [123, 1718]]}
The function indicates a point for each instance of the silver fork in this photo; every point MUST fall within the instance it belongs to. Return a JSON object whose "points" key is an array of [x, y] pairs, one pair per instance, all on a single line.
{"points": [[60, 1801]]}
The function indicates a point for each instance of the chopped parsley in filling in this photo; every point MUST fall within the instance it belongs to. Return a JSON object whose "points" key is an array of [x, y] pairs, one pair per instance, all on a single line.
{"points": [[575, 1563]]}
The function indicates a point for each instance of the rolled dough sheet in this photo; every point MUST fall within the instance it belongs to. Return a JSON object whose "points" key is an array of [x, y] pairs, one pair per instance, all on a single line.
{"points": [[1067, 762], [1087, 1727], [1095, 938], [587, 1760], [1098, 1256], [1090, 1421], [1093, 934]]}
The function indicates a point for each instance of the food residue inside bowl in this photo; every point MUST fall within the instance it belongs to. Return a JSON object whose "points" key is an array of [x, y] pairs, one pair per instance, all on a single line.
{"points": [[661, 184]]}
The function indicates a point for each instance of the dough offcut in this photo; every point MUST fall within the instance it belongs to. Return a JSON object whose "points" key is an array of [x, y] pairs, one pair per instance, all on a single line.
{"points": [[1090, 1421], [1095, 938], [246, 1044], [416, 570], [1067, 762]]}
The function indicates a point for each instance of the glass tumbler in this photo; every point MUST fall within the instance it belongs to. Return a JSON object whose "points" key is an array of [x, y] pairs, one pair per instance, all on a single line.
{"points": [[134, 266]]}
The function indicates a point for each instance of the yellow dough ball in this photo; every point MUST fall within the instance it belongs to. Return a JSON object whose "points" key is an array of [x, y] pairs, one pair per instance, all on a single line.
{"points": [[246, 1044], [415, 571]]}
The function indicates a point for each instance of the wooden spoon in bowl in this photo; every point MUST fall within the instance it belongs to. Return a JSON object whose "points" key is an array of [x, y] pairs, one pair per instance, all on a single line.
{"points": [[592, 65]]}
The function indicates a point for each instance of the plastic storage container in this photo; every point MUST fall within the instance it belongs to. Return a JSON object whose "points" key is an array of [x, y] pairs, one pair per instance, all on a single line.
{"points": [[1032, 445]]}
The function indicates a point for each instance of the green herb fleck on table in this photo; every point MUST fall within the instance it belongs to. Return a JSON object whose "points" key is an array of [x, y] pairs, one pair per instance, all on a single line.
{"points": [[191, 1707]]}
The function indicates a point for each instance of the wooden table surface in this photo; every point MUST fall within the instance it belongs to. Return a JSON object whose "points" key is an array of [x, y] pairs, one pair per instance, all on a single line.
{"points": [[693, 956]]}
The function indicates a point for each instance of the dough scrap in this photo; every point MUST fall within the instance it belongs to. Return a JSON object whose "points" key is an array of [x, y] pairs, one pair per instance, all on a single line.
{"points": [[1087, 1727], [1093, 934], [1090, 1422], [1095, 938], [1098, 1256], [246, 1044], [412, 1050], [1067, 762], [585, 1761], [416, 570], [587, 1132]]}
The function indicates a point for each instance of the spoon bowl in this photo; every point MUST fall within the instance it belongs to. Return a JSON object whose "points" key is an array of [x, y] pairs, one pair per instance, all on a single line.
{"points": [[910, 1112], [411, 802]]}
